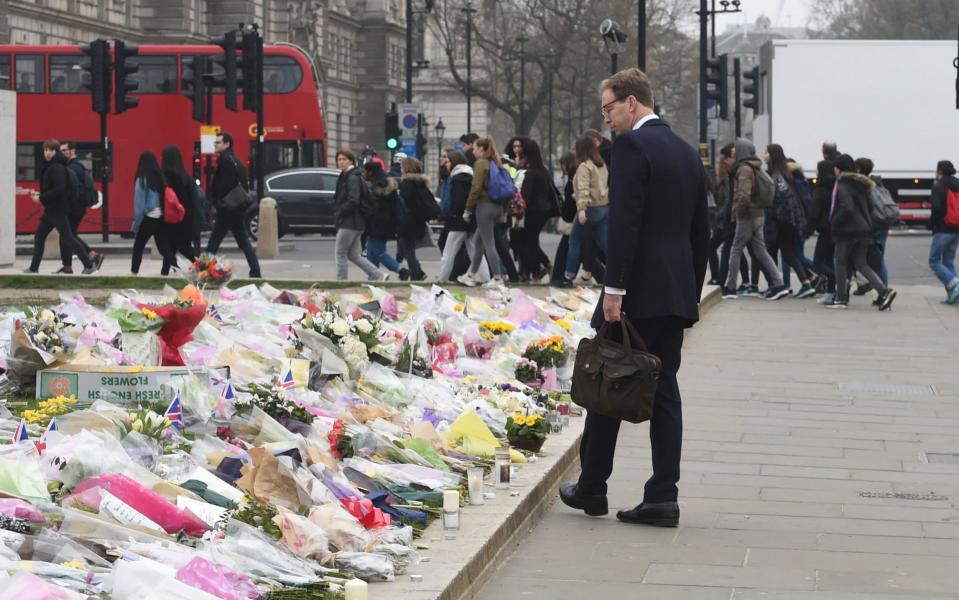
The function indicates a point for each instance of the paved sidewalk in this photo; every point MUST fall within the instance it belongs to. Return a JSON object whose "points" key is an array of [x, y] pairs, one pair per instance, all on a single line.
{"points": [[798, 482]]}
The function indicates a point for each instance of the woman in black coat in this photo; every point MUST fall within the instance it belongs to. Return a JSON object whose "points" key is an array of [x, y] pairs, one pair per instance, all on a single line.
{"points": [[460, 230], [179, 235], [381, 222], [541, 205], [421, 207]]}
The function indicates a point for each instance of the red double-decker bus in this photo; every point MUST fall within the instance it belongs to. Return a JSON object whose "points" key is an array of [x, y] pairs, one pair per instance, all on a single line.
{"points": [[52, 103]]}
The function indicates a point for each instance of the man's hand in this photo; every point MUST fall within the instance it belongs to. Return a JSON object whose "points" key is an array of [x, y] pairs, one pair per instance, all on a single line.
{"points": [[612, 307], [582, 217]]}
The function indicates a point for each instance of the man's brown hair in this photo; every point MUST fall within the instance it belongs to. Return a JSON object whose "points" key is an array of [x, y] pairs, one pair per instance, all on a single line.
{"points": [[630, 82], [51, 145]]}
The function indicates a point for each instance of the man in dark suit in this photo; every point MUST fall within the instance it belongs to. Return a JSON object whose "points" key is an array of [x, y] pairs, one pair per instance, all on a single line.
{"points": [[658, 244]]}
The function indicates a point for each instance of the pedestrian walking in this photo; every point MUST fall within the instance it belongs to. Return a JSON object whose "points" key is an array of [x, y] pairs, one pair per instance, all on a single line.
{"points": [[564, 223], [658, 240], [468, 139], [539, 194], [944, 222], [723, 227], [817, 221], [852, 232], [421, 208], [750, 199], [58, 191], [876, 257], [461, 180], [148, 213], [789, 217], [591, 191], [481, 208], [86, 197], [230, 173], [180, 235], [381, 223], [351, 200]]}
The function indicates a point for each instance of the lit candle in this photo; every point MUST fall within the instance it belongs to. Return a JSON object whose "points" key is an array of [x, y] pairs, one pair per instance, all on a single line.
{"points": [[501, 466], [474, 479], [451, 510], [356, 589]]}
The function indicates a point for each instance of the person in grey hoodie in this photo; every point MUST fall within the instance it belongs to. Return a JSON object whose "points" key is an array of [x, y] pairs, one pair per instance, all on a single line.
{"points": [[945, 237], [750, 221]]}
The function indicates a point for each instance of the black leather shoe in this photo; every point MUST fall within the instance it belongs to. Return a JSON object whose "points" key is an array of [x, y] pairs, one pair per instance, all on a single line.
{"points": [[594, 505], [660, 514]]}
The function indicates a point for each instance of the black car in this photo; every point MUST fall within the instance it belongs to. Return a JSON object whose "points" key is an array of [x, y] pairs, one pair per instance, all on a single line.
{"points": [[304, 201]]}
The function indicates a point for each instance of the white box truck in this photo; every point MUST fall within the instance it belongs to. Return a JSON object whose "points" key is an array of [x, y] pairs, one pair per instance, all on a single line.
{"points": [[893, 101]]}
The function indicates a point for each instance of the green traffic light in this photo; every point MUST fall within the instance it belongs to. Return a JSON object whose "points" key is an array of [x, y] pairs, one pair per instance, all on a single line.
{"points": [[392, 144]]}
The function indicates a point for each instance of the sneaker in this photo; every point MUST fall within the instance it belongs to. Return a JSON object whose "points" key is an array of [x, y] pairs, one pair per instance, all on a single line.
{"points": [[64, 271], [729, 294], [494, 284], [862, 289], [90, 270], [826, 299], [750, 291], [585, 282], [564, 283], [420, 277], [953, 295], [713, 282], [30, 271], [885, 300], [837, 303], [386, 277], [404, 274], [775, 293], [822, 284], [98, 259], [806, 291], [466, 280]]}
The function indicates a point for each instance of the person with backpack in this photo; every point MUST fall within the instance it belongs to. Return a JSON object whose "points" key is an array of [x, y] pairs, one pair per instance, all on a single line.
{"points": [[944, 221], [460, 182], [148, 221], [789, 217], [591, 192], [59, 190], [879, 198], [753, 192], [491, 189], [180, 235], [382, 220], [230, 178], [351, 202], [852, 231], [421, 208], [87, 197]]}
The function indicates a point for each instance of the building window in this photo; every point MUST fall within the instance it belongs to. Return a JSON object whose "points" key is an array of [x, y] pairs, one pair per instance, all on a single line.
{"points": [[30, 74]]}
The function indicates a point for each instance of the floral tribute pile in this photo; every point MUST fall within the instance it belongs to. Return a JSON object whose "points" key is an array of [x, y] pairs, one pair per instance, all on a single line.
{"points": [[310, 442]]}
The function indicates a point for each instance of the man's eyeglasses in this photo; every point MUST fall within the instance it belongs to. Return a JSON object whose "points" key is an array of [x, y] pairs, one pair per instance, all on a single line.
{"points": [[605, 110]]}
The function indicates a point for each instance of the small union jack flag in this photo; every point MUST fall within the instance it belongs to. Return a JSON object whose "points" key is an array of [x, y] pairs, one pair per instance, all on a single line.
{"points": [[175, 412], [214, 313], [287, 382], [227, 392], [51, 427], [20, 435]]}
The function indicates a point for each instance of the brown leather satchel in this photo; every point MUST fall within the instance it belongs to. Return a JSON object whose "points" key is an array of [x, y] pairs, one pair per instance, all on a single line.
{"points": [[612, 379]]}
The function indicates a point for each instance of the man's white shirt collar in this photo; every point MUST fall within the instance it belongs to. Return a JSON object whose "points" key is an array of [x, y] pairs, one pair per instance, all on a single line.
{"points": [[643, 121]]}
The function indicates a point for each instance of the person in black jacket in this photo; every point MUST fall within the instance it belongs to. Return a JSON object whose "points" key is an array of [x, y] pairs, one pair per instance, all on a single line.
{"points": [[658, 241], [351, 202], [541, 205], [179, 235], [56, 194], [421, 207], [381, 222], [229, 174], [76, 212], [852, 231], [945, 237], [460, 230]]}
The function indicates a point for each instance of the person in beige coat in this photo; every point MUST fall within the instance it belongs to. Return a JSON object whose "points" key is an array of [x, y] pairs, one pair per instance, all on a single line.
{"points": [[591, 192]]}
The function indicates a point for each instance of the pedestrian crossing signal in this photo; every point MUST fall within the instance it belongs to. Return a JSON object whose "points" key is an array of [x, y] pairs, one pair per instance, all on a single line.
{"points": [[392, 129]]}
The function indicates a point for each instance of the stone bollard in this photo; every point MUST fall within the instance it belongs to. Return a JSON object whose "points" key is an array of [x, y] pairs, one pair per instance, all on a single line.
{"points": [[51, 248], [267, 234]]}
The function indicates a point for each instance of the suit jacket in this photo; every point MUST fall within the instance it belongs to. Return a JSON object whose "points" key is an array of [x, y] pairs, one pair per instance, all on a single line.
{"points": [[658, 225]]}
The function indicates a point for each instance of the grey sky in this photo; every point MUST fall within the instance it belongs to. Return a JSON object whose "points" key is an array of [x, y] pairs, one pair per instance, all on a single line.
{"points": [[783, 13]]}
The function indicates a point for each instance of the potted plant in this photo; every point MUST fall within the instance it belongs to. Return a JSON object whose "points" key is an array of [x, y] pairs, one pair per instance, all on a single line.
{"points": [[527, 432]]}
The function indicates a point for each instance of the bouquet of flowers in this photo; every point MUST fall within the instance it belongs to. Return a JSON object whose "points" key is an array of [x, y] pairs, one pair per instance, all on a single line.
{"points": [[491, 329], [275, 402], [49, 408], [528, 371], [341, 443], [209, 269], [145, 422], [328, 321], [527, 431], [548, 352], [179, 321], [45, 328], [137, 321], [421, 365]]}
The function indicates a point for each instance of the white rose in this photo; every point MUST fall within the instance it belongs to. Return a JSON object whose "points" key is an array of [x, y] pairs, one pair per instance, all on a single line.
{"points": [[340, 328], [364, 326], [47, 315], [40, 338]]}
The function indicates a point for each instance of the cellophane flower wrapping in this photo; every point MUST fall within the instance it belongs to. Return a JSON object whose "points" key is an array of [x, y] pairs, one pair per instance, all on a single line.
{"points": [[178, 325]]}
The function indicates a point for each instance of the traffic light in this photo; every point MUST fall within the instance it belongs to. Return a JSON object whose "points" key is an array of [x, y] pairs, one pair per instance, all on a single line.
{"points": [[392, 130], [251, 70], [751, 89], [421, 142], [97, 66], [227, 79], [122, 52], [194, 86], [717, 74]]}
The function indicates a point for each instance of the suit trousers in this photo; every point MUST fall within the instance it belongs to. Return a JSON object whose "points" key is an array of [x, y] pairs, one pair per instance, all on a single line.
{"points": [[664, 338]]}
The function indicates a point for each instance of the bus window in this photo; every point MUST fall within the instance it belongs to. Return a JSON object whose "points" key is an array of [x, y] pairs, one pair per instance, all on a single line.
{"points": [[312, 154], [157, 74], [27, 161], [66, 75], [30, 74], [281, 75], [4, 72]]}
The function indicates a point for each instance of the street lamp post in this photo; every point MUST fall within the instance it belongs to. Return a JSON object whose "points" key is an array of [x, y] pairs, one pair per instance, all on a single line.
{"points": [[550, 58], [440, 129], [469, 10], [615, 40], [641, 36], [521, 40]]}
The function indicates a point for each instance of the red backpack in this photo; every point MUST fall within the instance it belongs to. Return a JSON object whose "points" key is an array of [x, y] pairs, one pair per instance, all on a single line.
{"points": [[952, 209], [173, 211]]}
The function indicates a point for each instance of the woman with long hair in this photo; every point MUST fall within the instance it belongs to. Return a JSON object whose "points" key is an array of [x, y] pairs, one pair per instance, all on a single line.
{"points": [[591, 191], [789, 217], [180, 235], [461, 181], [481, 209], [540, 195], [348, 205], [148, 212], [382, 221], [419, 202]]}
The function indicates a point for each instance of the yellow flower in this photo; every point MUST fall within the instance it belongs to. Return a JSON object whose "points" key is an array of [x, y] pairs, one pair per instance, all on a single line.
{"points": [[458, 308], [137, 425], [566, 325], [519, 420], [76, 563], [531, 420]]}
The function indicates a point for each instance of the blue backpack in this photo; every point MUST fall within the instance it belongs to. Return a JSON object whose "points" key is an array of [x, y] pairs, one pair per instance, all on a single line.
{"points": [[500, 188]]}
